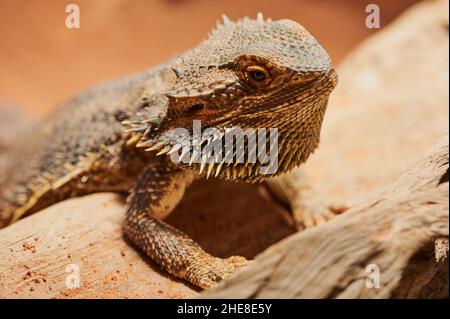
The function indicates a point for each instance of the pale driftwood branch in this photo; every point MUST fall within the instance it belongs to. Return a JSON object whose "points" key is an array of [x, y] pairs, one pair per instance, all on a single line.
{"points": [[395, 230]]}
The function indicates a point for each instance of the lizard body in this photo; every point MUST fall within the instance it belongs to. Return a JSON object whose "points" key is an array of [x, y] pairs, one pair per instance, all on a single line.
{"points": [[249, 74]]}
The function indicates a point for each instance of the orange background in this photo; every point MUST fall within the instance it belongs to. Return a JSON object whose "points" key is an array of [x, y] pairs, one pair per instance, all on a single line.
{"points": [[42, 62]]}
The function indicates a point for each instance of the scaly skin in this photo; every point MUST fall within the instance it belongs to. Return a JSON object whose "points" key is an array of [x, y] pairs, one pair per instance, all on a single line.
{"points": [[247, 74]]}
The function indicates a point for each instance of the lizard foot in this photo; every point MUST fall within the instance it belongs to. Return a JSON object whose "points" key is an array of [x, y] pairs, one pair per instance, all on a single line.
{"points": [[307, 216], [207, 273]]}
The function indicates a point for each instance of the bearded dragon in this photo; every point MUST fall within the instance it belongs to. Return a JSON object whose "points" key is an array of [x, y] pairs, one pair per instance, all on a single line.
{"points": [[250, 73]]}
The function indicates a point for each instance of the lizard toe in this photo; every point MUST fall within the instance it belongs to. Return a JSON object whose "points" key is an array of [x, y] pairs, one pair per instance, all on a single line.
{"points": [[217, 270]]}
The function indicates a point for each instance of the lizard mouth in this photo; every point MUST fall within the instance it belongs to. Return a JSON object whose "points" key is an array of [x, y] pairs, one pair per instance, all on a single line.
{"points": [[232, 154]]}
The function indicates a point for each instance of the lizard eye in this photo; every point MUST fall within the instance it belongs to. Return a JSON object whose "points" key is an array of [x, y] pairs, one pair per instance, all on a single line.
{"points": [[257, 74]]}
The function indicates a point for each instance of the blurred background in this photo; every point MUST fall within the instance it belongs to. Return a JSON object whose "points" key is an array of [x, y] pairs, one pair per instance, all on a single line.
{"points": [[42, 62]]}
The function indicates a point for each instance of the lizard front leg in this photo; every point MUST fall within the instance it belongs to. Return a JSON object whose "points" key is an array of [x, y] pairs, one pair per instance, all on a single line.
{"points": [[154, 196]]}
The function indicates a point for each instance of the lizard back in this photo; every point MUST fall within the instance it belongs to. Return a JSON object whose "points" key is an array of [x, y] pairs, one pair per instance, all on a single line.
{"points": [[78, 149]]}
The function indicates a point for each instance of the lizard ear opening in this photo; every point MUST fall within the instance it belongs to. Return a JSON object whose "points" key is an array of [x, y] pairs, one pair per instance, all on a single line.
{"points": [[195, 108]]}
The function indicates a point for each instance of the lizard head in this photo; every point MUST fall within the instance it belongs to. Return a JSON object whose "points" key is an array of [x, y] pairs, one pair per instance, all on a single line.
{"points": [[248, 74]]}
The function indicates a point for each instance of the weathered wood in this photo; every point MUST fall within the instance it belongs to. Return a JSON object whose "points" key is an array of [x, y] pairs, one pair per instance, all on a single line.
{"points": [[395, 230], [87, 232]]}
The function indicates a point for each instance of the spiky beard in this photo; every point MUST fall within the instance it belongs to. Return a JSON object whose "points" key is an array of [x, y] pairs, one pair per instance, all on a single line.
{"points": [[298, 137]]}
